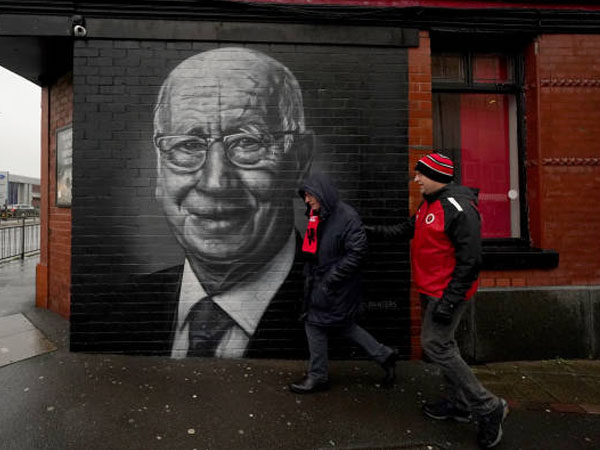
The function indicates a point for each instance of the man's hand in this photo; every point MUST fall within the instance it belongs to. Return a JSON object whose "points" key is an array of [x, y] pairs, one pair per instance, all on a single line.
{"points": [[443, 311]]}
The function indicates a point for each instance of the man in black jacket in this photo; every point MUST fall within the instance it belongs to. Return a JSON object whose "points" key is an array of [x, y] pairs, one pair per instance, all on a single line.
{"points": [[335, 245], [446, 257]]}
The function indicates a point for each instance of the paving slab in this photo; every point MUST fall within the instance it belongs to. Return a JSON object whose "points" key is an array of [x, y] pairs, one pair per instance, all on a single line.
{"points": [[568, 388], [515, 386], [13, 324], [20, 339]]}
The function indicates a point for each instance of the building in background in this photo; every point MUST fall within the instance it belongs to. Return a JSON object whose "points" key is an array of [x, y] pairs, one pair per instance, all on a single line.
{"points": [[18, 189], [509, 90]]}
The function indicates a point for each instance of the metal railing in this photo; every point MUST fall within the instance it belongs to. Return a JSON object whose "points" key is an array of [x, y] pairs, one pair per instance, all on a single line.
{"points": [[19, 237]]}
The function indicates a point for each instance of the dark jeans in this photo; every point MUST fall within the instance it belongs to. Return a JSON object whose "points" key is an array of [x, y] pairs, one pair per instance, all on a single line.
{"points": [[318, 339], [464, 389]]}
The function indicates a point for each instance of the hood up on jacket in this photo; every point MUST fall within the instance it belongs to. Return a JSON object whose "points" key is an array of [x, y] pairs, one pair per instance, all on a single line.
{"points": [[321, 186]]}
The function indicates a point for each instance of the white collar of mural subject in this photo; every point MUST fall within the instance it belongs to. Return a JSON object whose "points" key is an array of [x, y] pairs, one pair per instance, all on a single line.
{"points": [[234, 302]]}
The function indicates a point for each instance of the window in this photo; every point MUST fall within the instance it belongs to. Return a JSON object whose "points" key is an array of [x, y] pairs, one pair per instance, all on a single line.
{"points": [[476, 95]]}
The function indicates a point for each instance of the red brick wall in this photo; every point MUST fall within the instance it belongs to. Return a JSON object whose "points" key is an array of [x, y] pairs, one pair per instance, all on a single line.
{"points": [[420, 121], [563, 160], [54, 271], [569, 117], [420, 142]]}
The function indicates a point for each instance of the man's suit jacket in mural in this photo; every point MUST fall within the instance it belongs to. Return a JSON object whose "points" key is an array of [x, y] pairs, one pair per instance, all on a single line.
{"points": [[140, 319]]}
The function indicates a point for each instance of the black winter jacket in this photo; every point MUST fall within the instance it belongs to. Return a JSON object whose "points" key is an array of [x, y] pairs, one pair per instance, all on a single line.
{"points": [[446, 243], [332, 287]]}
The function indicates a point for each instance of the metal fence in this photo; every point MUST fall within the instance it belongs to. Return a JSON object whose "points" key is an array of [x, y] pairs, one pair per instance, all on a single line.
{"points": [[19, 237]]}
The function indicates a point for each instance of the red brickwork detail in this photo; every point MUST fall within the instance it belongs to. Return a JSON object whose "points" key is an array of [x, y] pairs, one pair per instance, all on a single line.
{"points": [[41, 284], [420, 142], [553, 82], [502, 282], [420, 122], [569, 119], [565, 162], [518, 282], [568, 157], [41, 272], [420, 132], [487, 282], [563, 168], [59, 219]]}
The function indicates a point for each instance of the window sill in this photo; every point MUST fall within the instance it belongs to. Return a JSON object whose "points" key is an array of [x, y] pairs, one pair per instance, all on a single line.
{"points": [[504, 256]]}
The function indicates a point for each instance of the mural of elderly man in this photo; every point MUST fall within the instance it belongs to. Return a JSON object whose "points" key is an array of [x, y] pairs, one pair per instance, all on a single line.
{"points": [[231, 148]]}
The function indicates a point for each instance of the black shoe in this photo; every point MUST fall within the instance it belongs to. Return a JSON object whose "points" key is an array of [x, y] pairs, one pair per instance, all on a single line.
{"points": [[389, 367], [309, 385], [490, 426], [444, 410]]}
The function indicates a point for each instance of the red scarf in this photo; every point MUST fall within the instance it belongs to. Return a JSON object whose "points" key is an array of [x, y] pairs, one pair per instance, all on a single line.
{"points": [[310, 237]]}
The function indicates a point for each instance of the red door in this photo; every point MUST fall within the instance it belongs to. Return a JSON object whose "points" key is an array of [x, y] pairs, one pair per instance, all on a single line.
{"points": [[485, 159]]}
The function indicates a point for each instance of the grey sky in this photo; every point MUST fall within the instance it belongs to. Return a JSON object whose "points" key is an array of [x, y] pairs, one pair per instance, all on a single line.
{"points": [[20, 115]]}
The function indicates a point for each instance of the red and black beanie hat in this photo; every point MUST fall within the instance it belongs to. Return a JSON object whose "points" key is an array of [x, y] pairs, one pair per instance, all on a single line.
{"points": [[436, 167]]}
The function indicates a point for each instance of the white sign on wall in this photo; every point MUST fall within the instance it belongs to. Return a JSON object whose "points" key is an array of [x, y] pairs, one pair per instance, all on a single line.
{"points": [[64, 165]]}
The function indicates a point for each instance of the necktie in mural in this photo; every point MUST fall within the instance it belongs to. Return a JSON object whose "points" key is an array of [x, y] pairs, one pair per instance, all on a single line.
{"points": [[207, 325]]}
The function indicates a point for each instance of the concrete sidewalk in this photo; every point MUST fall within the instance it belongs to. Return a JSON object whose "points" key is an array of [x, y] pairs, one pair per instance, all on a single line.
{"points": [[72, 401]]}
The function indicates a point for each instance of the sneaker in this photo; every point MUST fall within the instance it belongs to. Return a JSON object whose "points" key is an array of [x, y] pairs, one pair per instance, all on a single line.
{"points": [[490, 426], [444, 410]]}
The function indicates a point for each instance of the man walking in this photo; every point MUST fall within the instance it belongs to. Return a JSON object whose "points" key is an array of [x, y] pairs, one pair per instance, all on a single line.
{"points": [[334, 246], [446, 257]]}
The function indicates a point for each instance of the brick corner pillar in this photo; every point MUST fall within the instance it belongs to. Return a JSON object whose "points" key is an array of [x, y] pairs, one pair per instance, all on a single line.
{"points": [[53, 273], [41, 270], [420, 142]]}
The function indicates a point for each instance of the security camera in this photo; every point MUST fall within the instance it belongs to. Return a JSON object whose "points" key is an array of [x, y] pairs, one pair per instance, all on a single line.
{"points": [[78, 23], [79, 31]]}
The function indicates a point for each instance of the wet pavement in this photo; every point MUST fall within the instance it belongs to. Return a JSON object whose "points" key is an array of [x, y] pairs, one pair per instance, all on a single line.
{"points": [[17, 285], [20, 339], [72, 401]]}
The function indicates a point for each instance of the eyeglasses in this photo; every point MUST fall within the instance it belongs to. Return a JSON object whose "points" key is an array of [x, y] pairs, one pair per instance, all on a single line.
{"points": [[188, 153]]}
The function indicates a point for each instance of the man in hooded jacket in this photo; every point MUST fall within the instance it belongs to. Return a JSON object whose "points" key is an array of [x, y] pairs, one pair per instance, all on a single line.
{"points": [[446, 258], [334, 246]]}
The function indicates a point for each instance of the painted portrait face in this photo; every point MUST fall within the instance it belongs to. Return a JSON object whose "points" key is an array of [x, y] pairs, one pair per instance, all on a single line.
{"points": [[227, 130]]}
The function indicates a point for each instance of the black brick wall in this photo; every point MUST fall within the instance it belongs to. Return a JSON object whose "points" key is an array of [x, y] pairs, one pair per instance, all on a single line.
{"points": [[355, 101]]}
